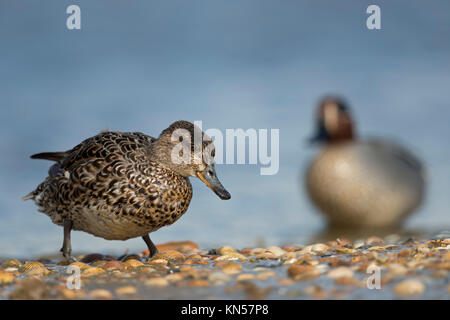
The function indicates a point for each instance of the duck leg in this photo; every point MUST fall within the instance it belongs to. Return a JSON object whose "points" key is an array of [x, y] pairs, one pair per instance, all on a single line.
{"points": [[151, 246], [67, 247]]}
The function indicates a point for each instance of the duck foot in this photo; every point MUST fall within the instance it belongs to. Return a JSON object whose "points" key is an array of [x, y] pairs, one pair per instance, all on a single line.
{"points": [[151, 247], [67, 247]]}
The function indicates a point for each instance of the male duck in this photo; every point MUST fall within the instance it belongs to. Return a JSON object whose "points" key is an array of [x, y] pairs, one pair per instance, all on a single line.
{"points": [[120, 185], [371, 183]]}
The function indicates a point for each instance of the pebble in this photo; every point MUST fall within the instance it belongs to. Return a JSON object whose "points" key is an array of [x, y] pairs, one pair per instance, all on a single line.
{"points": [[181, 246], [198, 283], [92, 258], [292, 248], [158, 262], [82, 266], [231, 256], [12, 263], [127, 290], [320, 248], [265, 275], [173, 256], [100, 294], [409, 287], [245, 277], [231, 268], [174, 277], [340, 272], [225, 250], [6, 277], [133, 263], [114, 265], [301, 272], [92, 271], [346, 281], [157, 282], [218, 277], [397, 269], [374, 240], [33, 268], [277, 251], [252, 271], [447, 256]]}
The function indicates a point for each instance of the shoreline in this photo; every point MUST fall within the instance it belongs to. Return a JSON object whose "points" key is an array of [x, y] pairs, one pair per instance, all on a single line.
{"points": [[373, 268]]}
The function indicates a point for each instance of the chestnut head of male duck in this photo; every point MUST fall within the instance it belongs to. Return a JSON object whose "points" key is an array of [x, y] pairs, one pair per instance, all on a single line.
{"points": [[334, 122], [362, 183], [122, 185]]}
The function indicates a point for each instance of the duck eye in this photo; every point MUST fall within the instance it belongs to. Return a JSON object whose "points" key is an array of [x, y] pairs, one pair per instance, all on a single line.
{"points": [[210, 172], [180, 138], [213, 153]]}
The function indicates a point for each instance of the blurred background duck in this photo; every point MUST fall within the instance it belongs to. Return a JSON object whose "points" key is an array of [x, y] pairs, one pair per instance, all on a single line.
{"points": [[361, 183]]}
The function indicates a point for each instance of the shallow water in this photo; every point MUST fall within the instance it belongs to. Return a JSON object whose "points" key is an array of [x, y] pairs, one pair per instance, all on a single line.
{"points": [[259, 64]]}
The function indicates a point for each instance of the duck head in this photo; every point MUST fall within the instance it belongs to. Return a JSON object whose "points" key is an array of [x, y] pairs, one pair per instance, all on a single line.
{"points": [[187, 150], [334, 122]]}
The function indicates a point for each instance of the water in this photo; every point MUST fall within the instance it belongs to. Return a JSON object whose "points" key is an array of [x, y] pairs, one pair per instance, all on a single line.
{"points": [[139, 65]]}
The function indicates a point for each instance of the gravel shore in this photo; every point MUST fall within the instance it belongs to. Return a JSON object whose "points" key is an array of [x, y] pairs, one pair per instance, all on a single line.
{"points": [[373, 268]]}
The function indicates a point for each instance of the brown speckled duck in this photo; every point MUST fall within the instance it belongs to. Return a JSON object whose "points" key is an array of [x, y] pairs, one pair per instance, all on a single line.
{"points": [[361, 183], [121, 185]]}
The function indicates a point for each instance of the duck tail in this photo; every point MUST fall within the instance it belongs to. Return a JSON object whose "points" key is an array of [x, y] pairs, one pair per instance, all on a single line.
{"points": [[53, 156]]}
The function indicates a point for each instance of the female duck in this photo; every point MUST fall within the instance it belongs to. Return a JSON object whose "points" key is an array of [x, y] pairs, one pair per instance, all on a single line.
{"points": [[119, 185], [371, 183]]}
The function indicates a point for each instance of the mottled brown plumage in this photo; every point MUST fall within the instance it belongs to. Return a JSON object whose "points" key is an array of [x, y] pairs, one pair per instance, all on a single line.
{"points": [[119, 185]]}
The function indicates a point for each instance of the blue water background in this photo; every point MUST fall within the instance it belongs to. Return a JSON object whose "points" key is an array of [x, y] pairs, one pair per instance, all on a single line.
{"points": [[140, 65]]}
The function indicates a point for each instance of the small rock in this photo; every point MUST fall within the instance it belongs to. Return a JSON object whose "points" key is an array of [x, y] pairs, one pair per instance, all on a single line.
{"points": [[157, 282], [6, 277], [218, 278], [301, 272], [292, 248], [127, 290], [174, 256], [31, 289], [34, 269], [409, 288], [225, 250], [114, 265], [133, 263], [277, 251], [93, 257], [245, 277], [340, 272], [162, 262], [12, 263], [231, 268], [447, 256], [181, 246], [265, 275], [346, 281], [316, 291], [100, 294], [198, 283], [231, 256], [319, 248], [82, 266], [285, 282], [92, 271], [374, 240], [174, 277], [397, 269]]}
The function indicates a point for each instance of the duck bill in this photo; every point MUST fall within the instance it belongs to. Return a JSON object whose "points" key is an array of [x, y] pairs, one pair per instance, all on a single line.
{"points": [[319, 137], [210, 179]]}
